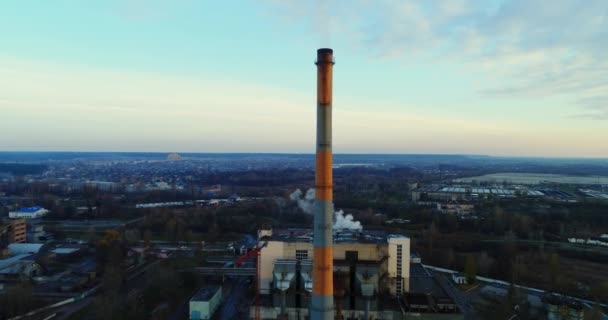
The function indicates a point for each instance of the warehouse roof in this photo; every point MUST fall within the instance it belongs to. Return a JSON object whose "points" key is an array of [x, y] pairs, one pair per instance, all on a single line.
{"points": [[13, 264], [24, 248], [204, 294], [30, 209], [339, 236]]}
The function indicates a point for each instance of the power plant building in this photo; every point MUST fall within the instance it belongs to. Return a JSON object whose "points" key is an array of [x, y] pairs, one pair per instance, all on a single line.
{"points": [[370, 272], [327, 273]]}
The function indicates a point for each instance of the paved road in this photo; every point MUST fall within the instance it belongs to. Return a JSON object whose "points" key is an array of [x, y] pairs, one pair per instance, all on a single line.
{"points": [[235, 304], [235, 289], [71, 309], [133, 280], [462, 299], [235, 292]]}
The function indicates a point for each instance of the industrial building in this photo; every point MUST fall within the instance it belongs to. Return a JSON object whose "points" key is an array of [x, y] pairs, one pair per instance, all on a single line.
{"points": [[370, 271], [375, 276], [464, 192], [427, 299], [456, 208], [28, 213], [205, 302], [327, 273], [21, 263], [11, 231]]}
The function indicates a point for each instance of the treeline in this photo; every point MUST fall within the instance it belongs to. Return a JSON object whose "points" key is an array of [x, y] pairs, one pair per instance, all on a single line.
{"points": [[521, 242], [215, 223], [19, 169]]}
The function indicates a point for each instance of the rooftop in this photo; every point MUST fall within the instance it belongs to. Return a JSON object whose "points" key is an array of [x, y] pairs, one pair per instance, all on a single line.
{"points": [[27, 248], [63, 250], [30, 209], [422, 282], [204, 294], [11, 265], [339, 236]]}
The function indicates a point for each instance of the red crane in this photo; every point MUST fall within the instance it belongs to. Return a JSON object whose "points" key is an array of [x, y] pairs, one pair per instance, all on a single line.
{"points": [[254, 252]]}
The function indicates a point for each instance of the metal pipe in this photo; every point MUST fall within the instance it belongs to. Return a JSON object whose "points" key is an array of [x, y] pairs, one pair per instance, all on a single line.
{"points": [[284, 304], [322, 288]]}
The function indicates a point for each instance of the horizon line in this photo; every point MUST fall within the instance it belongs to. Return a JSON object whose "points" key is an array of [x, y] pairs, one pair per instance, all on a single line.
{"points": [[312, 154]]}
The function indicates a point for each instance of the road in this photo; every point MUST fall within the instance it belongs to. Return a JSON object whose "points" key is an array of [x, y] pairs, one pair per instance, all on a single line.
{"points": [[462, 299], [235, 289], [234, 294], [133, 280], [66, 312], [235, 304]]}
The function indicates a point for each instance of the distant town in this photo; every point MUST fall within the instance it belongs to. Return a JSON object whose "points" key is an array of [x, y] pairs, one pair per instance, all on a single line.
{"points": [[229, 236]]}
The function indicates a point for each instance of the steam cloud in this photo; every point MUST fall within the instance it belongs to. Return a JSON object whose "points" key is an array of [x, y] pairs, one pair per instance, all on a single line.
{"points": [[307, 204], [346, 222]]}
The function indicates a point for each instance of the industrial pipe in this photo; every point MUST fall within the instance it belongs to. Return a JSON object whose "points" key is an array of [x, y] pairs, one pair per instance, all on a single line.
{"points": [[322, 303]]}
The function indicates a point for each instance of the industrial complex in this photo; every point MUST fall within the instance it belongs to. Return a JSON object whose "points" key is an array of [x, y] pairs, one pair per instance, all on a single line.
{"points": [[175, 238], [329, 273], [370, 270]]}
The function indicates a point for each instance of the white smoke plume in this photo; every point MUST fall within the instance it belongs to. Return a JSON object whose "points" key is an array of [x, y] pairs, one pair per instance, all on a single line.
{"points": [[306, 203], [346, 222]]}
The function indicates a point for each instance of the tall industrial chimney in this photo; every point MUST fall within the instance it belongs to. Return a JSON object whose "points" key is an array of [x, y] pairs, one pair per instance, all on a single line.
{"points": [[321, 307]]}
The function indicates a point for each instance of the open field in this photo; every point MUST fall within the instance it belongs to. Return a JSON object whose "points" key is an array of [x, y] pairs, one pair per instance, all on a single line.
{"points": [[536, 178]]}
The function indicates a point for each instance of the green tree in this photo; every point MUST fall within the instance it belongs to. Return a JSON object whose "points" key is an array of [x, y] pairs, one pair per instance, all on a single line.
{"points": [[484, 263], [470, 269], [432, 234], [132, 235], [170, 229], [595, 313], [17, 301], [554, 271], [147, 238]]}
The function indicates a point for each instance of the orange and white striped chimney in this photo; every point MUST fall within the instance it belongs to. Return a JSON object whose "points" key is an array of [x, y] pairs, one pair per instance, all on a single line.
{"points": [[322, 303]]}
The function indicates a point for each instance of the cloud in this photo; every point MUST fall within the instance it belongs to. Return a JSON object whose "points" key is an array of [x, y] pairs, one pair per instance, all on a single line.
{"points": [[523, 48]]}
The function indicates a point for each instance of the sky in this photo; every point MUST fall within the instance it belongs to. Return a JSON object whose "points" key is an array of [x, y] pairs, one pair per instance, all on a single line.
{"points": [[505, 78]]}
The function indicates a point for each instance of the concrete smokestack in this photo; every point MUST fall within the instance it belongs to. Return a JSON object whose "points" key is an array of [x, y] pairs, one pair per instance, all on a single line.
{"points": [[322, 303]]}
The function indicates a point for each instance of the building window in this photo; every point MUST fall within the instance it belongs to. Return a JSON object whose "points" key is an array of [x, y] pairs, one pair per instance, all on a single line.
{"points": [[301, 254], [351, 256], [399, 270]]}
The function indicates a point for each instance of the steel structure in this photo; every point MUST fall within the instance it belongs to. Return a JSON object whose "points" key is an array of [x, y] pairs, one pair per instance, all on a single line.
{"points": [[322, 303], [255, 252]]}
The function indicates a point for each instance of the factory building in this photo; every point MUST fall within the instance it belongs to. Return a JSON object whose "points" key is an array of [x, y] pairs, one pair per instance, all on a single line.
{"points": [[370, 272], [464, 192], [455, 208], [28, 213], [19, 230], [204, 303]]}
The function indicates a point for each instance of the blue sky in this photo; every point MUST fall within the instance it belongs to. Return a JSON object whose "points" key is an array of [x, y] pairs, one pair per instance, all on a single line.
{"points": [[521, 77]]}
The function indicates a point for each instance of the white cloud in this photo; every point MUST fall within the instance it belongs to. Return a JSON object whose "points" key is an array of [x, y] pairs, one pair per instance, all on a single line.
{"points": [[525, 48]]}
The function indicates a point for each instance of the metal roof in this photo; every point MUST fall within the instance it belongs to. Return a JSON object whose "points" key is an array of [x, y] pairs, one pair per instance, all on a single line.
{"points": [[30, 209], [339, 236], [24, 248], [204, 294]]}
